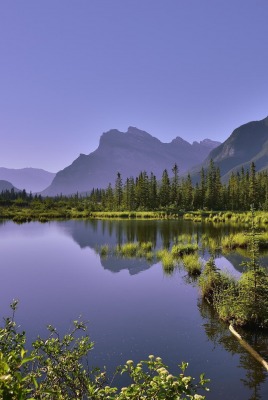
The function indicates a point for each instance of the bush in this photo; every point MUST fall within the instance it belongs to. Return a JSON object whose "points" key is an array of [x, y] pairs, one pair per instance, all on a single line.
{"points": [[54, 371]]}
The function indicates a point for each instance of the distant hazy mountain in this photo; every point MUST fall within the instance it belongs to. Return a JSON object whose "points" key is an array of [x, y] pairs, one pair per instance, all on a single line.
{"points": [[247, 144], [5, 185], [30, 179], [128, 153]]}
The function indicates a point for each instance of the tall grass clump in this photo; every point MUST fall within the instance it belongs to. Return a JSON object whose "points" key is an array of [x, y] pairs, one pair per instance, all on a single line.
{"points": [[242, 240], [192, 264], [180, 249], [146, 246], [104, 250], [167, 259], [234, 241], [130, 249]]}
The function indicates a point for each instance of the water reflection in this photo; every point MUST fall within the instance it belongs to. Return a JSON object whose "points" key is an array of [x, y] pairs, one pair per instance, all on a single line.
{"points": [[55, 270], [219, 334], [162, 234]]}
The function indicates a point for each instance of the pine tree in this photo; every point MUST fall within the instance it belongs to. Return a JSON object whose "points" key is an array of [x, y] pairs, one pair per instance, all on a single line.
{"points": [[252, 185], [174, 196], [164, 191], [118, 191]]}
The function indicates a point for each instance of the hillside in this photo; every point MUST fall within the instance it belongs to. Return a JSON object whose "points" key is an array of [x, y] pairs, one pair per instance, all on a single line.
{"points": [[246, 144], [5, 185]]}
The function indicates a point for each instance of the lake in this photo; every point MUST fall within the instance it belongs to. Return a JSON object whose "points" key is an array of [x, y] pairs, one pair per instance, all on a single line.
{"points": [[132, 307]]}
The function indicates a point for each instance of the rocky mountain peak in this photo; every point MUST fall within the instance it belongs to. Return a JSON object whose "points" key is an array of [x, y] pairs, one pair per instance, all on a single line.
{"points": [[180, 141]]}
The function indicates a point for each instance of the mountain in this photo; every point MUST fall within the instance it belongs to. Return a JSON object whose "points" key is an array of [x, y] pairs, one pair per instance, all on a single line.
{"points": [[30, 179], [128, 153], [5, 185], [247, 144]]}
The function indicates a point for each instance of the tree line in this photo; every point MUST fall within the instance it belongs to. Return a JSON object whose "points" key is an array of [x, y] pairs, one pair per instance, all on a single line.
{"points": [[146, 192]]}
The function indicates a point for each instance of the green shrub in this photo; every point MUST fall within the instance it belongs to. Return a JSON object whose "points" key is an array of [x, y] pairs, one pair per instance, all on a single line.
{"points": [[54, 370], [210, 280]]}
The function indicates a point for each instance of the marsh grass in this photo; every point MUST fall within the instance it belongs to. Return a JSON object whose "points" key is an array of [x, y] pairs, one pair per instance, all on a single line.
{"points": [[130, 215], [135, 249], [104, 250], [166, 259], [213, 245], [127, 249], [242, 240], [243, 218], [180, 249], [192, 264]]}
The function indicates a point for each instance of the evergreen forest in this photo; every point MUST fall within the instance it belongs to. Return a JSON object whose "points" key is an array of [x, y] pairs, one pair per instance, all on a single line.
{"points": [[171, 192]]}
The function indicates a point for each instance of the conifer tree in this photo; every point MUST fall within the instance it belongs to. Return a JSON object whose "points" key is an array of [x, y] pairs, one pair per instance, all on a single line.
{"points": [[164, 191]]}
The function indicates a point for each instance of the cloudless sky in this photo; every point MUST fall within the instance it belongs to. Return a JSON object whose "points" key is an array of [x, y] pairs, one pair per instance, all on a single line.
{"points": [[73, 69]]}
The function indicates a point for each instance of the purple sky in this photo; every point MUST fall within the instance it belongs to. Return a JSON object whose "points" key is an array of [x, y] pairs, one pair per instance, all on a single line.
{"points": [[72, 69]]}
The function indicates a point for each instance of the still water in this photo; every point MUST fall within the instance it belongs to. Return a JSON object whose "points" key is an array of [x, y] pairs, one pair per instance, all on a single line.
{"points": [[132, 307]]}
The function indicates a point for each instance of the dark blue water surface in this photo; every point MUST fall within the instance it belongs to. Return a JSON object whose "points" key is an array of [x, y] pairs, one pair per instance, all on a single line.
{"points": [[132, 306]]}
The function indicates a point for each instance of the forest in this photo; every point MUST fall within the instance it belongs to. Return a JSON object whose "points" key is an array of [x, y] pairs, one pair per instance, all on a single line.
{"points": [[171, 192]]}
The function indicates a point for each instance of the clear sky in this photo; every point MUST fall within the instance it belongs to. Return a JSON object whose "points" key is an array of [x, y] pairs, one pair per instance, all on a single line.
{"points": [[73, 69]]}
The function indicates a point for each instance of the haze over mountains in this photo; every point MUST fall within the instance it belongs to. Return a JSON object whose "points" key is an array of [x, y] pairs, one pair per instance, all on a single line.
{"points": [[128, 153], [30, 179], [5, 185], [247, 144], [135, 150]]}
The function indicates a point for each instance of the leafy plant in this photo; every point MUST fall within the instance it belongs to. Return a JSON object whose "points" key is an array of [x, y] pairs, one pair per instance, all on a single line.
{"points": [[55, 370]]}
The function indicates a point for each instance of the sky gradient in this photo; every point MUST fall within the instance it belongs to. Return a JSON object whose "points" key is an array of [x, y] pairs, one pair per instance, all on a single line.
{"points": [[71, 70]]}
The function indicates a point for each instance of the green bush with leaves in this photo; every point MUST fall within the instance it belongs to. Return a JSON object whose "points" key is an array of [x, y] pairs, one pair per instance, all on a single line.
{"points": [[55, 370]]}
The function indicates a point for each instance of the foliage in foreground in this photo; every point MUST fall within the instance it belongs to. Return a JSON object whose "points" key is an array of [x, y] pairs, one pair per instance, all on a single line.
{"points": [[55, 369]]}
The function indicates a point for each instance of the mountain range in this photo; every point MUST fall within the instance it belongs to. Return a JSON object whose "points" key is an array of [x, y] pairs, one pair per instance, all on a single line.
{"points": [[135, 150], [128, 153], [30, 179]]}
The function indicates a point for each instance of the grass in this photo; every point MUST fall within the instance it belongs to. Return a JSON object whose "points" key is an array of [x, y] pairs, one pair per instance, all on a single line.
{"points": [[192, 264], [104, 250], [243, 218], [135, 249], [129, 215], [167, 259], [180, 249], [242, 240], [213, 244]]}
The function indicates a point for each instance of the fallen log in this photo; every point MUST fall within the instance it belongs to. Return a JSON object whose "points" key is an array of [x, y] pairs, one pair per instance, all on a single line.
{"points": [[247, 346]]}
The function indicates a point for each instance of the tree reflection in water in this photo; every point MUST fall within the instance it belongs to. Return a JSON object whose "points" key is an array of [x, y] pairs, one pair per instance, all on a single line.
{"points": [[219, 334]]}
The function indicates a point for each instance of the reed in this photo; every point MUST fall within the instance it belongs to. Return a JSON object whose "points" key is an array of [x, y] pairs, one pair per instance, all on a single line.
{"points": [[104, 250], [192, 264], [166, 258], [135, 249], [180, 249]]}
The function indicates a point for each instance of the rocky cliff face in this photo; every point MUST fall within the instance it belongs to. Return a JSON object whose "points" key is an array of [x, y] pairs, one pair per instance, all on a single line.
{"points": [[246, 144], [128, 153]]}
